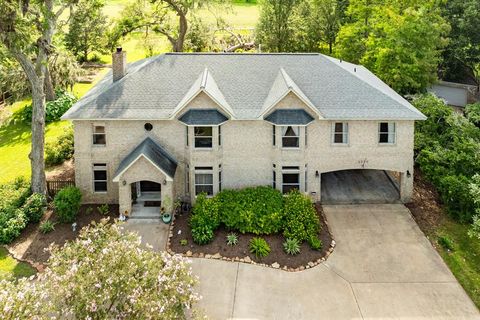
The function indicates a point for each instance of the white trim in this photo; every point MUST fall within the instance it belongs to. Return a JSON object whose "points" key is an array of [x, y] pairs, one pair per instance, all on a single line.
{"points": [[117, 177]]}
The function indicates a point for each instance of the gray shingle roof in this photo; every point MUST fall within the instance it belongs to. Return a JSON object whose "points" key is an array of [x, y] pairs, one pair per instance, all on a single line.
{"points": [[289, 117], [203, 117], [154, 87], [153, 152]]}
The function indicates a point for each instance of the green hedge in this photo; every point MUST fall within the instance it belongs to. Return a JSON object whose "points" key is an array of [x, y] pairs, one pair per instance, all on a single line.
{"points": [[12, 217], [447, 149], [257, 210], [61, 149], [67, 203]]}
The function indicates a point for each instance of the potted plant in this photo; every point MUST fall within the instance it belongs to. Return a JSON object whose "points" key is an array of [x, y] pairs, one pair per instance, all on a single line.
{"points": [[166, 209]]}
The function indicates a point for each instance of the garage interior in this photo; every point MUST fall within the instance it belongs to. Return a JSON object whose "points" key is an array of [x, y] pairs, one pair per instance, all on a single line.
{"points": [[360, 186]]}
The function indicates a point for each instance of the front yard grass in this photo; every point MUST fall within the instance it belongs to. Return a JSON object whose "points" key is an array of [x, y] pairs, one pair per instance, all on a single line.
{"points": [[11, 267]]}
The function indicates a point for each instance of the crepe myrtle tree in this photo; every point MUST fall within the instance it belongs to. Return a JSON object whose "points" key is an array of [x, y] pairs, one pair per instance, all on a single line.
{"points": [[104, 274], [26, 32]]}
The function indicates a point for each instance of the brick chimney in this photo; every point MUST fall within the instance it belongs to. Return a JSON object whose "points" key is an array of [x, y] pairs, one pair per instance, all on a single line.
{"points": [[119, 64]]}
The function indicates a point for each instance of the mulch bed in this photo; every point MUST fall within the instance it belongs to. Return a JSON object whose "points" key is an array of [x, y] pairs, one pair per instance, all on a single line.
{"points": [[426, 205], [62, 233], [241, 250]]}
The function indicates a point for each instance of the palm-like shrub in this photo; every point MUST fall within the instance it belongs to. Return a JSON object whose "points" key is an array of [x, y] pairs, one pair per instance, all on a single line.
{"points": [[291, 246], [232, 239], [259, 247]]}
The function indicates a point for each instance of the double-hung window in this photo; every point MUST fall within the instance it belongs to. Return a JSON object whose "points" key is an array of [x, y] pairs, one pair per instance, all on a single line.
{"points": [[386, 132], [290, 136], [204, 180], [100, 177], [340, 133], [203, 137], [99, 137], [290, 178]]}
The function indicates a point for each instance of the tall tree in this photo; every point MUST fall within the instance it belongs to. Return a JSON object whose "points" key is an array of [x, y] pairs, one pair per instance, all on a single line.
{"points": [[462, 55], [26, 32], [400, 41], [87, 29], [170, 18], [326, 19], [275, 28]]}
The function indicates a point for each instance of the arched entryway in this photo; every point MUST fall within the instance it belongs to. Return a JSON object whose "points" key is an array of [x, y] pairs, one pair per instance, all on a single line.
{"points": [[360, 186]]}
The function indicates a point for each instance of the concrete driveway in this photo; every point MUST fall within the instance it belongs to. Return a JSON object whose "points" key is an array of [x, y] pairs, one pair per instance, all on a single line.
{"points": [[382, 268]]}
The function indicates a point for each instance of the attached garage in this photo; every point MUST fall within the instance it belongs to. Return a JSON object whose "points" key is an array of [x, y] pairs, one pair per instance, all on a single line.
{"points": [[360, 186]]}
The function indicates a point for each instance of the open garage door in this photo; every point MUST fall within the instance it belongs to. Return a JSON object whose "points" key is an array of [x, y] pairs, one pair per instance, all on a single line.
{"points": [[360, 186]]}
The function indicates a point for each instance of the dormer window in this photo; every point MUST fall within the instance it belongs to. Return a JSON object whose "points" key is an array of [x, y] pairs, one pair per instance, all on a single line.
{"points": [[290, 136], [203, 137]]}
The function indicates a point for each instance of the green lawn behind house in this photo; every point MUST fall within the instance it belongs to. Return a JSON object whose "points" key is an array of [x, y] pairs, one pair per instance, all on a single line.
{"points": [[11, 267]]}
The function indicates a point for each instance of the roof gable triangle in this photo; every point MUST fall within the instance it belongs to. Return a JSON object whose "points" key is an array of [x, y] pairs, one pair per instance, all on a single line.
{"points": [[281, 87], [205, 83]]}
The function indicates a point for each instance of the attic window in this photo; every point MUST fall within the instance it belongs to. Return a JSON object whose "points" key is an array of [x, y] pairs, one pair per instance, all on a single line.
{"points": [[148, 126]]}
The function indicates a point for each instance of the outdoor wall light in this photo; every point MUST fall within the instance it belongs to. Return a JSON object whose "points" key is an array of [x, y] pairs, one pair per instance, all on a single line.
{"points": [[408, 174], [124, 182], [164, 181], [317, 174]]}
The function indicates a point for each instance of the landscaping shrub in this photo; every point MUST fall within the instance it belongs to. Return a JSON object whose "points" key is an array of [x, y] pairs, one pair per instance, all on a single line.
{"points": [[67, 203], [255, 210], [291, 246], [47, 226], [314, 242], [12, 222], [34, 207], [12, 217], [301, 219], [53, 109], [204, 219], [103, 209], [259, 247], [232, 239], [61, 149]]}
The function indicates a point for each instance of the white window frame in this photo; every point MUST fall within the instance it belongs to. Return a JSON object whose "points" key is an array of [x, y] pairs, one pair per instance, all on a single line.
{"points": [[203, 170], [391, 133], [291, 170], [100, 167], [284, 131], [202, 137], [344, 133], [95, 134]]}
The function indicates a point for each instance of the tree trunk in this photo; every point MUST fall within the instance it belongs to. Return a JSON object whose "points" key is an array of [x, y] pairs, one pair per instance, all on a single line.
{"points": [[38, 137], [182, 31], [49, 89]]}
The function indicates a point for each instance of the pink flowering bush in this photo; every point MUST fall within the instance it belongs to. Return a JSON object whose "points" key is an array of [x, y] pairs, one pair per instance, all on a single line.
{"points": [[104, 274]]}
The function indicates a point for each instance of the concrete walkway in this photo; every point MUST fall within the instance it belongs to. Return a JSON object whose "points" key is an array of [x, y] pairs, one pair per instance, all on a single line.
{"points": [[382, 268]]}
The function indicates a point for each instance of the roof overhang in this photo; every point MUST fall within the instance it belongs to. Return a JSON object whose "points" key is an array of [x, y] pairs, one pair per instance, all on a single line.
{"points": [[203, 117], [289, 117], [153, 153]]}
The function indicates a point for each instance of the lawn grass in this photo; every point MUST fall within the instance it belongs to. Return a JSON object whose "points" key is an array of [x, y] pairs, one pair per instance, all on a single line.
{"points": [[11, 267], [464, 260]]}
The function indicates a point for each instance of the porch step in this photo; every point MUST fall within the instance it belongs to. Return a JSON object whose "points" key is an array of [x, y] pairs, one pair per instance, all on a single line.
{"points": [[145, 217]]}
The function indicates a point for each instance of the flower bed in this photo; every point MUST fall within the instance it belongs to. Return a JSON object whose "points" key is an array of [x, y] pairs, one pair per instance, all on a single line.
{"points": [[287, 224]]}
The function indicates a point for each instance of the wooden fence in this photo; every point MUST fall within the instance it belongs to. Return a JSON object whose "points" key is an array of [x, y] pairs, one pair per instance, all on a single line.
{"points": [[53, 186]]}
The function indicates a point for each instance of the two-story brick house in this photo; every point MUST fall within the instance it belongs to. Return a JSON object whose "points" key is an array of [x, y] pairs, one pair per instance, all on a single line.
{"points": [[178, 124]]}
